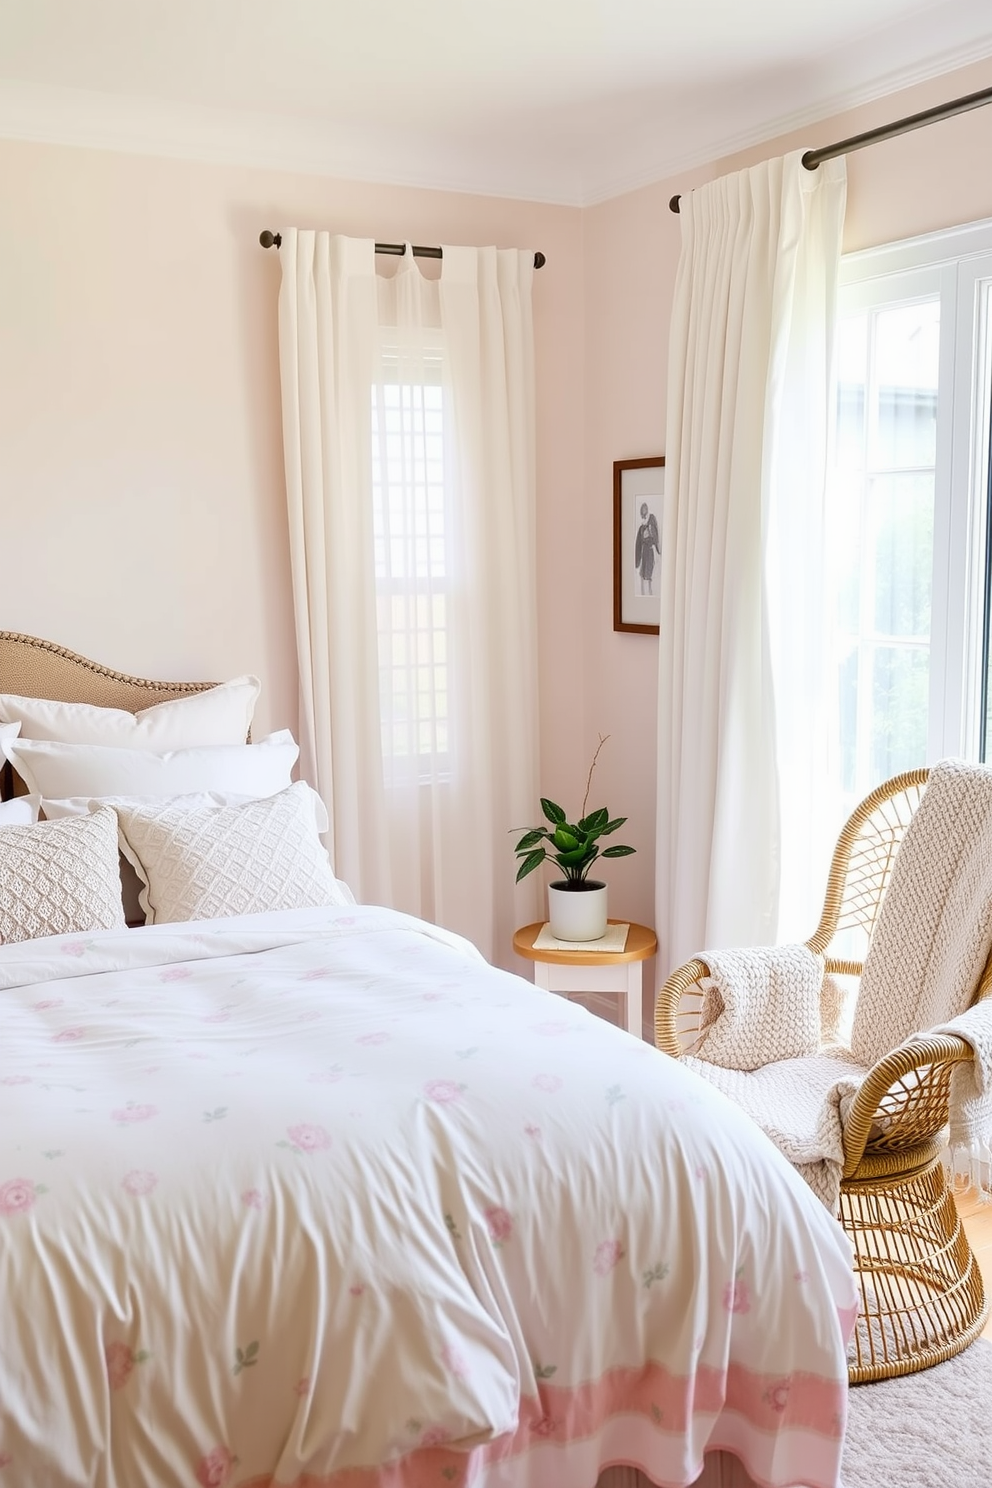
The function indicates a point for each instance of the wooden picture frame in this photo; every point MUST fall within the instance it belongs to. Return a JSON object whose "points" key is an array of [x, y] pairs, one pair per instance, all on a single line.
{"points": [[638, 499]]}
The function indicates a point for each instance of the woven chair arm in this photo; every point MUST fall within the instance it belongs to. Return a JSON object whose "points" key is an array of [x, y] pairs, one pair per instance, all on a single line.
{"points": [[903, 1100], [670, 1016]]}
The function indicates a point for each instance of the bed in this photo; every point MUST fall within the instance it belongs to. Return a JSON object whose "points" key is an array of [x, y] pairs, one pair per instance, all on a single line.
{"points": [[313, 1195]]}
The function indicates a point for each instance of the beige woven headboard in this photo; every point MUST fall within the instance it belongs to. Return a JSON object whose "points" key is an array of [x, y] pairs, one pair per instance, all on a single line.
{"points": [[36, 668]]}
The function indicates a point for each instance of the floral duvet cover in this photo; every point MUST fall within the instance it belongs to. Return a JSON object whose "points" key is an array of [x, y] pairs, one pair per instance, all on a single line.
{"points": [[321, 1198]]}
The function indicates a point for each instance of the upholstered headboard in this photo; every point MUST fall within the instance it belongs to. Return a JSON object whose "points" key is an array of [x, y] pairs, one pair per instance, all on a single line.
{"points": [[34, 668]]}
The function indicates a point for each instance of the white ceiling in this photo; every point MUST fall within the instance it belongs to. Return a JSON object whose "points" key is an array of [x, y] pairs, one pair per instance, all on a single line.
{"points": [[567, 101]]}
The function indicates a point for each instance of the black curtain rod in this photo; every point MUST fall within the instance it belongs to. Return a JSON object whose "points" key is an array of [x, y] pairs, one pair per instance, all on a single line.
{"points": [[813, 158], [274, 240]]}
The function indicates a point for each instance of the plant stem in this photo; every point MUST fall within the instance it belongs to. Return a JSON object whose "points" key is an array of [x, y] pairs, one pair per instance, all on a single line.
{"points": [[585, 798]]}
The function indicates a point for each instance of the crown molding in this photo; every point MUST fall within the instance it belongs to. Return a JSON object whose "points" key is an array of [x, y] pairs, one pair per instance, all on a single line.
{"points": [[719, 147], [157, 127]]}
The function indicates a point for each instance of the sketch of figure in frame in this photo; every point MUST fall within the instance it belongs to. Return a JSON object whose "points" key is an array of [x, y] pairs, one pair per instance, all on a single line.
{"points": [[647, 547]]}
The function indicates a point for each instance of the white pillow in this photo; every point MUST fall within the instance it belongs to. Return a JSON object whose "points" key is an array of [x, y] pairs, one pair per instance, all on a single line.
{"points": [[230, 860], [57, 771], [60, 878], [193, 801], [130, 882], [20, 812], [219, 715]]}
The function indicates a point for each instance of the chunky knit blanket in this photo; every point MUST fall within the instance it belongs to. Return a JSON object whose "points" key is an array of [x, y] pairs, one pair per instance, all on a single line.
{"points": [[760, 1004], [931, 942], [969, 1142]]}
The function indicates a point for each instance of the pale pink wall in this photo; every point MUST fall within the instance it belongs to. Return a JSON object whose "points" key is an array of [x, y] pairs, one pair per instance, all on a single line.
{"points": [[141, 491], [141, 485], [927, 179]]}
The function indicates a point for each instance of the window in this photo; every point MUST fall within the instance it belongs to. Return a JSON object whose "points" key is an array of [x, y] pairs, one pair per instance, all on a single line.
{"points": [[907, 507], [411, 540]]}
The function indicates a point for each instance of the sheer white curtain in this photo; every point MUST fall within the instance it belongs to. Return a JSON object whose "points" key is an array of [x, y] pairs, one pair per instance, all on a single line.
{"points": [[741, 736], [408, 429]]}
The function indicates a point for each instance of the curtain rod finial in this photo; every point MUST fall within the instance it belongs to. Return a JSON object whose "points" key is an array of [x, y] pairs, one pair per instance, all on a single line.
{"points": [[673, 205], [270, 239]]}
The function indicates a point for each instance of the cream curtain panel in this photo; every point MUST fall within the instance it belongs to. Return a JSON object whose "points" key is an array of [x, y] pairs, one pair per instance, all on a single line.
{"points": [[408, 428], [741, 656]]}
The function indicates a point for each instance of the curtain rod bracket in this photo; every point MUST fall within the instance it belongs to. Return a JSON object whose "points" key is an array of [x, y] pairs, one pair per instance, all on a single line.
{"points": [[274, 240]]}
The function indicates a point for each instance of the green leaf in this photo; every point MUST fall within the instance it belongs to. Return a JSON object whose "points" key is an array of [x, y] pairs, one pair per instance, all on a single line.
{"points": [[618, 852], [565, 840], [532, 861], [611, 826], [552, 812], [530, 839], [595, 821], [577, 855]]}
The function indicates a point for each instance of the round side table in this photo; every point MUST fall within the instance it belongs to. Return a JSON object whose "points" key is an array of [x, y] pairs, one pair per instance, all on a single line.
{"points": [[592, 970]]}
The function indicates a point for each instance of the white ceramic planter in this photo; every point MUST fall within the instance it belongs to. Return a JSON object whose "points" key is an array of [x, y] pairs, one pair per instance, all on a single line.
{"points": [[577, 914]]}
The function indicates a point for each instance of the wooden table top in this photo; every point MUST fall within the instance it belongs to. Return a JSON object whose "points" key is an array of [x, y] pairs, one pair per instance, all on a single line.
{"points": [[641, 943]]}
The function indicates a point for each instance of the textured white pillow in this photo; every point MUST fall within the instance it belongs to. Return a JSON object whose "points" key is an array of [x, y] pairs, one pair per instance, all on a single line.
{"points": [[193, 801], [60, 878], [131, 884], [220, 715], [230, 860], [56, 770], [20, 812]]}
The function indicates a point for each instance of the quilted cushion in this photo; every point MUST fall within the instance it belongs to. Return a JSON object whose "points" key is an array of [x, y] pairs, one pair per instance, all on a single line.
{"points": [[230, 860], [60, 878]]}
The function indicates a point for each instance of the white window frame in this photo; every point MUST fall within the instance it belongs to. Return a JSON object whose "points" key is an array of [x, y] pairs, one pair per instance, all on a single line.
{"points": [[955, 264]]}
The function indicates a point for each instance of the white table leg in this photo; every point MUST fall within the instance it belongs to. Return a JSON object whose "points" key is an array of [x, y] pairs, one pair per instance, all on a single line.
{"points": [[542, 975], [635, 983]]}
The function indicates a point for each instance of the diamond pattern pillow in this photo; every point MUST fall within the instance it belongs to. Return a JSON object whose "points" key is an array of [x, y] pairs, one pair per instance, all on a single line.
{"points": [[230, 860], [60, 877]]}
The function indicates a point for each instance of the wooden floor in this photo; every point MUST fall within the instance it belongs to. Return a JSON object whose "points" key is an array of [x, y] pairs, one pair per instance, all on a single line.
{"points": [[978, 1227]]}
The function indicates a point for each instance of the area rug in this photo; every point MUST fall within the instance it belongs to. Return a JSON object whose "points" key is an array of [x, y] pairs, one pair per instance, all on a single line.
{"points": [[927, 1430]]}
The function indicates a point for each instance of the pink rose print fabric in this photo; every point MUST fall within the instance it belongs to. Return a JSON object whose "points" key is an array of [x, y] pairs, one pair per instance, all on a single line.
{"points": [[306, 1137], [215, 1469], [121, 1360], [138, 1183], [500, 1224], [609, 1253], [133, 1112], [250, 1149], [444, 1092], [17, 1196], [736, 1297]]}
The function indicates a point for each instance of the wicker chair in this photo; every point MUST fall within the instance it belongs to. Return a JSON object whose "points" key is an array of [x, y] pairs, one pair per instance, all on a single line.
{"points": [[922, 1298]]}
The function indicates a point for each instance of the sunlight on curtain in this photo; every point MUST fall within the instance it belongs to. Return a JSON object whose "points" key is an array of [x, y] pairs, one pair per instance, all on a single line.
{"points": [[408, 425], [740, 730]]}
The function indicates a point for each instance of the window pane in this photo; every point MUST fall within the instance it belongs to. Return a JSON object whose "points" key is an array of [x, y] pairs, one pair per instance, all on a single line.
{"points": [[902, 519], [411, 561], [900, 709], [903, 427], [881, 512]]}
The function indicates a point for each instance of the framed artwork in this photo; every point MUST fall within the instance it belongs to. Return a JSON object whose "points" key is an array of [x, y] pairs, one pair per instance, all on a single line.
{"points": [[638, 498]]}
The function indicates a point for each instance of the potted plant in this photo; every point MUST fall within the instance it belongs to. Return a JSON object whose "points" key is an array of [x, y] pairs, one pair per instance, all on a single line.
{"points": [[576, 903]]}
